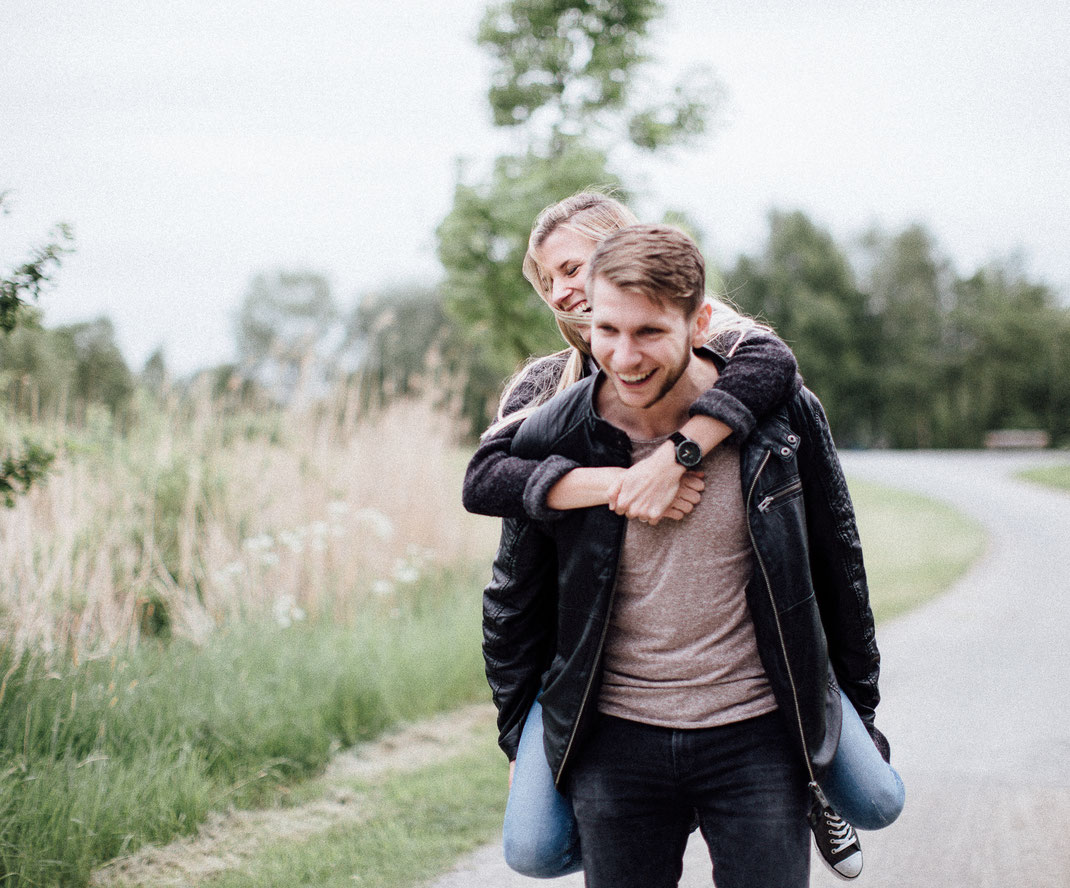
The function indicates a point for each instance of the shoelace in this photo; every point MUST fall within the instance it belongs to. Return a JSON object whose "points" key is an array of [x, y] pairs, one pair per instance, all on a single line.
{"points": [[841, 832]]}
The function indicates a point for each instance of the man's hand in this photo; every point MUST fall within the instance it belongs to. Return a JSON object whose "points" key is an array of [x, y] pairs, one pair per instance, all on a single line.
{"points": [[512, 770], [656, 487]]}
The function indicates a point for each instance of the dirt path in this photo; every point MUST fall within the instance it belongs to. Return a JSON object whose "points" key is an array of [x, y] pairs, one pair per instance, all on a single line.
{"points": [[228, 840]]}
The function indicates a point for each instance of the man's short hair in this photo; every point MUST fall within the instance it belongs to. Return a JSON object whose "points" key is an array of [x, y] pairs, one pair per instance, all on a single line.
{"points": [[658, 261]]}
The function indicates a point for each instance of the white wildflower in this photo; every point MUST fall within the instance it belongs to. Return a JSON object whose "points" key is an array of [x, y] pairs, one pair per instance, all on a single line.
{"points": [[226, 575], [338, 508], [379, 523], [405, 571], [383, 588], [261, 543], [286, 611], [293, 540]]}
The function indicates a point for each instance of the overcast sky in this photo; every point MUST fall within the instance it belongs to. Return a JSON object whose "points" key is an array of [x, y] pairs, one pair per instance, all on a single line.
{"points": [[193, 144]]}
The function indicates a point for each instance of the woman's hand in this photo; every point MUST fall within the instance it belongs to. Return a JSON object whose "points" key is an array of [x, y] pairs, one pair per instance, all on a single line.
{"points": [[512, 771], [656, 487]]}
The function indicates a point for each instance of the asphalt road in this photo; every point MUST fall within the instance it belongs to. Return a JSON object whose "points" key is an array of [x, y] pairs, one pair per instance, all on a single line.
{"points": [[976, 699]]}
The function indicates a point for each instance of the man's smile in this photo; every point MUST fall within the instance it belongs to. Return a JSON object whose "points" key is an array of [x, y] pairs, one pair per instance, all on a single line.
{"points": [[635, 379]]}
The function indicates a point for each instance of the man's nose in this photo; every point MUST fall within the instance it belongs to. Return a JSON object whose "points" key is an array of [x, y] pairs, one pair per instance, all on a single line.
{"points": [[626, 354]]}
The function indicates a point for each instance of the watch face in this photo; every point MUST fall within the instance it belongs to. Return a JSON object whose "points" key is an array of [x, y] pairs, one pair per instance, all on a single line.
{"points": [[688, 454]]}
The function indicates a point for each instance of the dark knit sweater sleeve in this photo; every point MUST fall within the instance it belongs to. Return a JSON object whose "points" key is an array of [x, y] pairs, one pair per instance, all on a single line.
{"points": [[495, 481], [761, 373]]}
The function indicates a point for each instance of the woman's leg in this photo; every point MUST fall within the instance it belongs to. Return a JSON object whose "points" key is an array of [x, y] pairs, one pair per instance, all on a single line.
{"points": [[540, 838], [861, 786]]}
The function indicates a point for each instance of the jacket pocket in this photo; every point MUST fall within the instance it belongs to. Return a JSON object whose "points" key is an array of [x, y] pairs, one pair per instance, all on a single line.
{"points": [[780, 495]]}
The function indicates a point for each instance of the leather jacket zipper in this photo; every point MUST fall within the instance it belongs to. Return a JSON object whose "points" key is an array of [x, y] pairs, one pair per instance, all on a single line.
{"points": [[794, 486], [597, 660], [814, 788]]}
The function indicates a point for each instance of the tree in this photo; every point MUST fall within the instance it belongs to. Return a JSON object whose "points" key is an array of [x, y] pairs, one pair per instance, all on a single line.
{"points": [[567, 80], [482, 244], [569, 69], [154, 375], [67, 366], [24, 283], [910, 292], [288, 329], [803, 285], [19, 286], [902, 351], [1013, 341], [100, 373], [391, 333]]}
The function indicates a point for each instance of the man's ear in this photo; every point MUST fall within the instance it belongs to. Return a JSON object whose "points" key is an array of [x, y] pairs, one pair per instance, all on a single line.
{"points": [[700, 324]]}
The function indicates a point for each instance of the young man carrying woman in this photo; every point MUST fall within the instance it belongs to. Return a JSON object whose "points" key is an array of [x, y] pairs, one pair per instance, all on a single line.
{"points": [[540, 832]]}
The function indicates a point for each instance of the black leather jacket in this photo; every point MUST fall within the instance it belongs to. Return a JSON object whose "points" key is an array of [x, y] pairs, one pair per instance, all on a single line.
{"points": [[808, 595]]}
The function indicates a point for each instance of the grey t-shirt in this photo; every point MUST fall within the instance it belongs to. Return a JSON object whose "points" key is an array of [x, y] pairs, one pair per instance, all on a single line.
{"points": [[680, 651]]}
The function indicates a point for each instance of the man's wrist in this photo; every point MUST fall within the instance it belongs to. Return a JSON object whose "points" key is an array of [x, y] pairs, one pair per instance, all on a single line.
{"points": [[687, 452], [667, 453]]}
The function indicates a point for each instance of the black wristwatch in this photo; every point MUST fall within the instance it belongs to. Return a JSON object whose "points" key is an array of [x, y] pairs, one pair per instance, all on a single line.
{"points": [[688, 453]]}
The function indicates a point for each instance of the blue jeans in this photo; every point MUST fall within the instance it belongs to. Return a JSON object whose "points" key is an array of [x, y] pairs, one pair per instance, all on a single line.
{"points": [[636, 788], [541, 839], [861, 786]]}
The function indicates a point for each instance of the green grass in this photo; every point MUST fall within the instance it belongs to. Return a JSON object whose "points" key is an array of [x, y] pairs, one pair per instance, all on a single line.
{"points": [[99, 757], [914, 547], [1057, 477], [419, 824]]}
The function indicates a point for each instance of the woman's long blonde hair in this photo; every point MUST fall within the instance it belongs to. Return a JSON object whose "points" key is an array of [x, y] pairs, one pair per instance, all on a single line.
{"points": [[595, 215]]}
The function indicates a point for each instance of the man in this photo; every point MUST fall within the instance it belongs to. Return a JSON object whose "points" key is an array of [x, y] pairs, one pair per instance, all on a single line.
{"points": [[693, 666]]}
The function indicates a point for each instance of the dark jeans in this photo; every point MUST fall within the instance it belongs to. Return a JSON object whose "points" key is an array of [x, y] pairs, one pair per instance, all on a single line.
{"points": [[635, 789]]}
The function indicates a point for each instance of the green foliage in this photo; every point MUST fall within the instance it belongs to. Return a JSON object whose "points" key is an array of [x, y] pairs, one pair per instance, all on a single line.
{"points": [[67, 367], [18, 472], [98, 757], [565, 70], [154, 375], [26, 281], [906, 354], [500, 318], [803, 286], [17, 286], [574, 58], [683, 119], [1012, 354], [568, 77], [397, 330], [284, 329]]}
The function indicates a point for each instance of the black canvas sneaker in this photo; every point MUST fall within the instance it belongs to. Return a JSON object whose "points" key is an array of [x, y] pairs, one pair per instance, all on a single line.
{"points": [[836, 840]]}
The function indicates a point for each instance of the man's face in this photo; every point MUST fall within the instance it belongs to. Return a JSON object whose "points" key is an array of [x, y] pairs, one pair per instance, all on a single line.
{"points": [[643, 347]]}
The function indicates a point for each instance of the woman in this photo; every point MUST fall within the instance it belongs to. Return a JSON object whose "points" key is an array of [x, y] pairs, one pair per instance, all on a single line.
{"points": [[540, 836]]}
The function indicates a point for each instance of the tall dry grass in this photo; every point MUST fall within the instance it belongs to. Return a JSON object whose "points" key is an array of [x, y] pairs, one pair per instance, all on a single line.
{"points": [[201, 514]]}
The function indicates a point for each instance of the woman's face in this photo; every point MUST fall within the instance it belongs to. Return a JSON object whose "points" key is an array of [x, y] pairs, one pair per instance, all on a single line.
{"points": [[564, 255]]}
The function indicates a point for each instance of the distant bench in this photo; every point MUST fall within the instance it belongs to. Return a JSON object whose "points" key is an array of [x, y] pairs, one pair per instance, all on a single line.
{"points": [[1017, 439]]}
